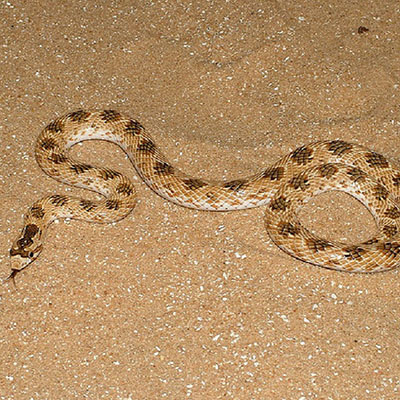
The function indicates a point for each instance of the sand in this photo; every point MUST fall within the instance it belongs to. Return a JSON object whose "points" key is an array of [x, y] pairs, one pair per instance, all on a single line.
{"points": [[174, 303]]}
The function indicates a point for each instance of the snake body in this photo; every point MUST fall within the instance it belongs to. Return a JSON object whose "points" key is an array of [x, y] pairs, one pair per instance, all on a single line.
{"points": [[282, 188]]}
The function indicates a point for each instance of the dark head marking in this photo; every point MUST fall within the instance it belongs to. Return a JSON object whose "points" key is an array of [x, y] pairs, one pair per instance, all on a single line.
{"points": [[28, 233]]}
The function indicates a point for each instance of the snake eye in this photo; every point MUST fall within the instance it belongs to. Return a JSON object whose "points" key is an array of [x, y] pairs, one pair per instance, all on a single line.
{"points": [[31, 254]]}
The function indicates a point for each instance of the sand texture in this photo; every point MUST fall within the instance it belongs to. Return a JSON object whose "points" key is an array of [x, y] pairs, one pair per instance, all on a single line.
{"points": [[172, 303]]}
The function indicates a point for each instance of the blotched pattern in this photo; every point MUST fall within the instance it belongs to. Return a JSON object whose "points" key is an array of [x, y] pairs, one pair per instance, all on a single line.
{"points": [[282, 188]]}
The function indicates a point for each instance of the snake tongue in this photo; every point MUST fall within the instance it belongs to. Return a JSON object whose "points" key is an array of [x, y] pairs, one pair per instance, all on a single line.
{"points": [[12, 276], [17, 264]]}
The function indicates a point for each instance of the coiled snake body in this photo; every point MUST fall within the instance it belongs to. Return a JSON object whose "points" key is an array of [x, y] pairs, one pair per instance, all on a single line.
{"points": [[282, 188]]}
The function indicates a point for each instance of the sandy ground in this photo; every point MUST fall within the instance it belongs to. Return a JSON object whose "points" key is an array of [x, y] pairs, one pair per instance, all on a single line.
{"points": [[174, 303]]}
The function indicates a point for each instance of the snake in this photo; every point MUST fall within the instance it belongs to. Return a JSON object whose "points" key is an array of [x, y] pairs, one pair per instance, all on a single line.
{"points": [[282, 188]]}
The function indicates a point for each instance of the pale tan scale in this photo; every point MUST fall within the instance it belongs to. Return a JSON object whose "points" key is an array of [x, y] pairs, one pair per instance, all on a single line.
{"points": [[281, 187]]}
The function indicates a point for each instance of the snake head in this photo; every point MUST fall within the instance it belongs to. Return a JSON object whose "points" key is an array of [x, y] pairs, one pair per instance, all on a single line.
{"points": [[26, 248]]}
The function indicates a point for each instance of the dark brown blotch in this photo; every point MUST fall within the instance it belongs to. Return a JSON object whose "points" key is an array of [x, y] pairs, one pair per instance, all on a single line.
{"points": [[380, 192], [133, 127], [299, 182], [391, 247], [37, 212], [57, 158], [392, 212], [58, 200], [396, 180], [112, 204], [169, 188], [48, 143], [125, 188], [193, 184], [80, 168], [339, 147], [107, 173], [110, 116], [356, 174], [274, 173], [328, 170], [79, 116], [288, 229], [354, 252], [55, 126], [147, 146], [87, 205], [370, 242], [163, 168], [302, 155], [376, 160], [317, 245], [212, 196], [390, 230], [279, 204], [235, 185]]}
